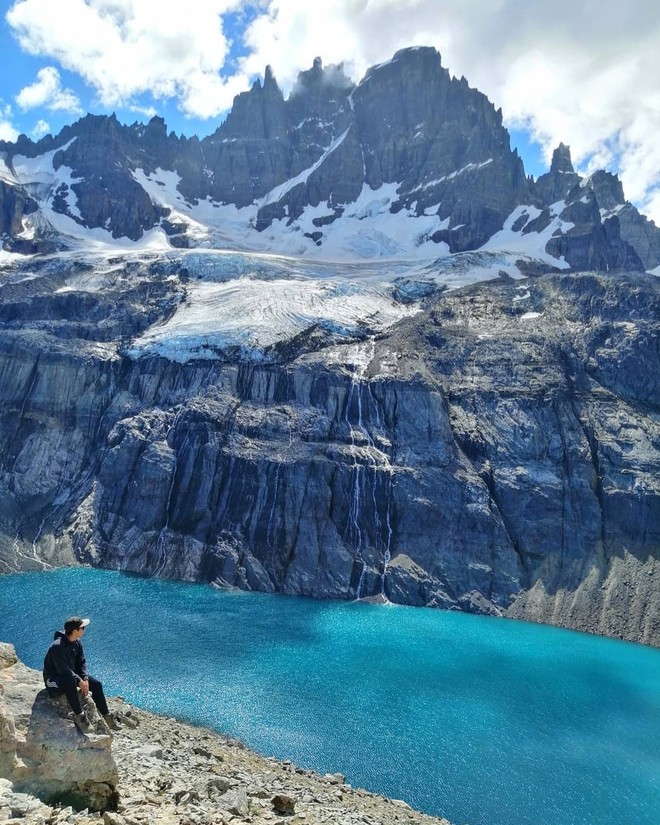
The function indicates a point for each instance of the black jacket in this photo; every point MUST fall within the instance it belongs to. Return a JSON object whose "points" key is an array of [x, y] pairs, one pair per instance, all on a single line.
{"points": [[65, 658]]}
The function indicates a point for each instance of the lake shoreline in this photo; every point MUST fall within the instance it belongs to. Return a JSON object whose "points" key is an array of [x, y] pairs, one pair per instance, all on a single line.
{"points": [[448, 711], [173, 773]]}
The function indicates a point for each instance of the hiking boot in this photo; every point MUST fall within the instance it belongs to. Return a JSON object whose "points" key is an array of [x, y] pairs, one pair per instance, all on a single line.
{"points": [[82, 723], [111, 722]]}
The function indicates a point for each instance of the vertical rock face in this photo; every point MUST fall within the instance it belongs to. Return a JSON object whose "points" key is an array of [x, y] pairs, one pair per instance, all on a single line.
{"points": [[497, 452], [442, 141], [14, 204], [101, 154], [558, 182]]}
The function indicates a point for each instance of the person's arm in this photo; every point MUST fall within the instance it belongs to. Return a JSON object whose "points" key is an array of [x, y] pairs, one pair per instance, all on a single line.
{"points": [[81, 664], [58, 658]]}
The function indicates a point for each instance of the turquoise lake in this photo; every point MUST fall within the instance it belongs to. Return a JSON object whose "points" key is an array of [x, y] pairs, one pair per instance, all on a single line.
{"points": [[484, 721]]}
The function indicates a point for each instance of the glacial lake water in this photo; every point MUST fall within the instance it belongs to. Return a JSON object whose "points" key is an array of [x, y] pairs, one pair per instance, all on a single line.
{"points": [[484, 721]]}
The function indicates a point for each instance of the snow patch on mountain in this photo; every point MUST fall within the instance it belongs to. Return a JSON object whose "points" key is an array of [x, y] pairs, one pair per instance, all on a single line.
{"points": [[253, 315], [38, 175], [42, 181], [470, 167], [366, 229], [531, 245], [280, 191], [254, 301]]}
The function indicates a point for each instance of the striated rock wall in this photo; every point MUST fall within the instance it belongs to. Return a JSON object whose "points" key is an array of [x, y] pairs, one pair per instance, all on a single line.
{"points": [[498, 452]]}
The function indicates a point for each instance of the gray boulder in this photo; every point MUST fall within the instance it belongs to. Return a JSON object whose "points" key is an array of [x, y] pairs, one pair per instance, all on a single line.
{"points": [[42, 752]]}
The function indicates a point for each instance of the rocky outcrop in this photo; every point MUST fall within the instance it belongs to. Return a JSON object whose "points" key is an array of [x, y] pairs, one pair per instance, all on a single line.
{"points": [[497, 452], [14, 204], [41, 751], [167, 773], [558, 182]]}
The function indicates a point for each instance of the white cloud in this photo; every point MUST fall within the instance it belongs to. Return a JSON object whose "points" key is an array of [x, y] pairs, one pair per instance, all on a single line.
{"points": [[47, 91], [146, 111], [41, 128], [123, 48], [7, 130]]}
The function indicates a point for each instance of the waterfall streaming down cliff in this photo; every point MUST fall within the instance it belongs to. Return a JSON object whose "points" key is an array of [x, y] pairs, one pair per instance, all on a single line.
{"points": [[366, 500]]}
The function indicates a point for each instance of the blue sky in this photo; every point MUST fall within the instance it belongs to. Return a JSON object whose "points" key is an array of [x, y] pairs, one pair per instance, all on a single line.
{"points": [[575, 71]]}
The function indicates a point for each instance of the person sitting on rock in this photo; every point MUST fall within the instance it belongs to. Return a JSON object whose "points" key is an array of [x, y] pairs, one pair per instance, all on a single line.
{"points": [[65, 672]]}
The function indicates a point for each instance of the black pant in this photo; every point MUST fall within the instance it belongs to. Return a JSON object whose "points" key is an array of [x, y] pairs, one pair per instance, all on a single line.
{"points": [[57, 685]]}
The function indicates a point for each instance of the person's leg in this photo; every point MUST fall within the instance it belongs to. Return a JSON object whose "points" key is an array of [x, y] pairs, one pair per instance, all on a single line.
{"points": [[96, 689], [57, 685]]}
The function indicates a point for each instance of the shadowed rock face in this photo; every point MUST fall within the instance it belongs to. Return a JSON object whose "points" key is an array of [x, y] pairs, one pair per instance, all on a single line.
{"points": [[497, 452], [14, 204]]}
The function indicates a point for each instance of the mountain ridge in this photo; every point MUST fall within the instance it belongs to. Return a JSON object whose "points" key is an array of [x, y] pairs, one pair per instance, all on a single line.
{"points": [[424, 153]]}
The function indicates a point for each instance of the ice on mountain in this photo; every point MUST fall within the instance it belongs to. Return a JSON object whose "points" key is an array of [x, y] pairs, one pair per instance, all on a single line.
{"points": [[253, 314], [280, 191], [531, 244]]}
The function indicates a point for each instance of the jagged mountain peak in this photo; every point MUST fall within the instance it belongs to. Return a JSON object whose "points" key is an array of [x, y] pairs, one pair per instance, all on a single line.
{"points": [[269, 76], [409, 162], [561, 160], [607, 188], [332, 77]]}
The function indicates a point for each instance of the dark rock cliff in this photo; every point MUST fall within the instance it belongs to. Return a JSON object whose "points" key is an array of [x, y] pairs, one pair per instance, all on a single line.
{"points": [[498, 452]]}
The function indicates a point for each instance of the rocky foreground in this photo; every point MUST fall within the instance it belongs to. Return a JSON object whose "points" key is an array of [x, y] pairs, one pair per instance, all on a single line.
{"points": [[156, 770]]}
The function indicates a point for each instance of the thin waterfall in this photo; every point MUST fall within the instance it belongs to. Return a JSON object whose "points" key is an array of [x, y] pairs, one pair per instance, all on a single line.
{"points": [[367, 472], [271, 516], [387, 553], [161, 544], [355, 531]]}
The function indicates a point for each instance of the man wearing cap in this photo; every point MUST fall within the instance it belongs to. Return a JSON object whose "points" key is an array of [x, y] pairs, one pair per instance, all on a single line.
{"points": [[65, 671]]}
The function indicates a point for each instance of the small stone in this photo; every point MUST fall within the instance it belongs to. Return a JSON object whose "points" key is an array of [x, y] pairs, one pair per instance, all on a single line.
{"points": [[147, 751], [110, 818], [219, 784], [235, 802], [283, 804], [201, 751]]}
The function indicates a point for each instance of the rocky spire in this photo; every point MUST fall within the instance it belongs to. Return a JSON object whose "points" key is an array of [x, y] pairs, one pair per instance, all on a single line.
{"points": [[561, 160], [269, 77]]}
